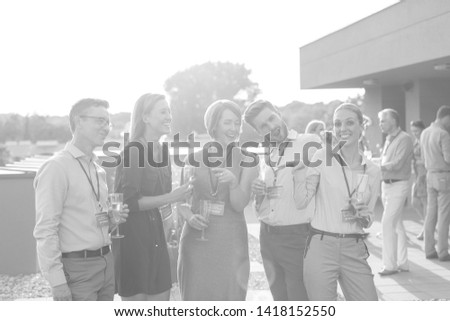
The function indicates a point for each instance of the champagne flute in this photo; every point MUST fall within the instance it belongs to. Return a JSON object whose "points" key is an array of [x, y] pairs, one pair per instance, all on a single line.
{"points": [[188, 177], [116, 205], [204, 212]]}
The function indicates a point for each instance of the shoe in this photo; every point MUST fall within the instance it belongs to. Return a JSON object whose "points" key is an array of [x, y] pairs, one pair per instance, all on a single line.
{"points": [[386, 272], [431, 256], [445, 258], [420, 237]]}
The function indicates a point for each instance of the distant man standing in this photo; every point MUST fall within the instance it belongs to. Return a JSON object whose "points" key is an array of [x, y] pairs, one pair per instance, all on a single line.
{"points": [[435, 143], [72, 221], [395, 171], [284, 229]]}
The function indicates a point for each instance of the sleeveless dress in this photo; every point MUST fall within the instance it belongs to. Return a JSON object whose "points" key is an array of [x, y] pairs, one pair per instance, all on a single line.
{"points": [[142, 263], [217, 269]]}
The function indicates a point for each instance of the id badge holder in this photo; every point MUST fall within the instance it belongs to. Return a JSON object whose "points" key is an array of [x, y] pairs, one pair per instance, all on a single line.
{"points": [[102, 219], [166, 211], [274, 192], [348, 213], [216, 208]]}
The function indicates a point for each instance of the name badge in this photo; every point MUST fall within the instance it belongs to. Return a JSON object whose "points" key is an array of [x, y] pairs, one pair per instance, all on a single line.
{"points": [[215, 207], [274, 192], [166, 211], [102, 219], [348, 213]]}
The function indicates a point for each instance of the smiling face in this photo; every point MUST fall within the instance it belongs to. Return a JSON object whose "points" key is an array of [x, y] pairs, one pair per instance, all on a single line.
{"points": [[268, 121], [158, 120], [228, 127], [347, 126], [93, 125]]}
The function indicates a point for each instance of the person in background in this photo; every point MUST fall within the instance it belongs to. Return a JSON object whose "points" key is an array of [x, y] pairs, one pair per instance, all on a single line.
{"points": [[316, 127], [435, 143], [396, 171], [72, 218], [345, 193], [214, 263], [284, 229], [141, 257], [419, 188]]}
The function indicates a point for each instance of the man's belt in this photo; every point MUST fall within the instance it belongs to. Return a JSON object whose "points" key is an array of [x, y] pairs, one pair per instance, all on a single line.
{"points": [[314, 231], [86, 253]]}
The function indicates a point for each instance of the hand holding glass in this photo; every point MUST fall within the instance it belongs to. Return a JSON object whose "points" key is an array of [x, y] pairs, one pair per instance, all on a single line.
{"points": [[116, 207]]}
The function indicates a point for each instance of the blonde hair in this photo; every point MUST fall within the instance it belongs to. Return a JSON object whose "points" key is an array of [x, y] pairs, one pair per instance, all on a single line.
{"points": [[143, 106], [312, 126]]}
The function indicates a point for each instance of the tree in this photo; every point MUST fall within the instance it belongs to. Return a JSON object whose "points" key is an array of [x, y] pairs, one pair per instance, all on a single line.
{"points": [[193, 90]]}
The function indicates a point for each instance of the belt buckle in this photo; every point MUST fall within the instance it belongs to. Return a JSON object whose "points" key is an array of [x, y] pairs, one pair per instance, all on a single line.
{"points": [[85, 254], [101, 251], [340, 235]]}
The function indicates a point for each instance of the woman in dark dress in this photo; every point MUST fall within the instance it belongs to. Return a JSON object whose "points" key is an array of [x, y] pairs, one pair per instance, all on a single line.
{"points": [[218, 268], [141, 259]]}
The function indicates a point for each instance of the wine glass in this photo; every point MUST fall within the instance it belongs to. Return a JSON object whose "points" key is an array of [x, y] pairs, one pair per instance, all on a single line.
{"points": [[116, 205], [204, 212], [188, 177]]}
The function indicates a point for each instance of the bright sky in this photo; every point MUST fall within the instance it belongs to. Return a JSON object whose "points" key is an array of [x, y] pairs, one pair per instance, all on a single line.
{"points": [[55, 52]]}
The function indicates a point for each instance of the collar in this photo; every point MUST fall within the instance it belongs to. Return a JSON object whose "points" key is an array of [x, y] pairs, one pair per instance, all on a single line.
{"points": [[394, 134], [77, 153]]}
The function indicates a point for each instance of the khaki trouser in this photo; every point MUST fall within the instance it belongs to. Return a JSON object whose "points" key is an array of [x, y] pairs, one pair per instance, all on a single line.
{"points": [[90, 279], [329, 260], [438, 212]]}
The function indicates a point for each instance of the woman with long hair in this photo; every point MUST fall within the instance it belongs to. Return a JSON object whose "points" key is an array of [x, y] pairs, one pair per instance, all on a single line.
{"points": [[145, 178], [345, 192], [214, 260]]}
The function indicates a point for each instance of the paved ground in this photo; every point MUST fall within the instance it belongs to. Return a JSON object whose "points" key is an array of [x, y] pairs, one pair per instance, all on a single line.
{"points": [[427, 279]]}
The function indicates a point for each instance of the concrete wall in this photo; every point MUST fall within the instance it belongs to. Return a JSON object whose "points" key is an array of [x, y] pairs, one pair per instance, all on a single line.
{"points": [[17, 217], [376, 99], [404, 34]]}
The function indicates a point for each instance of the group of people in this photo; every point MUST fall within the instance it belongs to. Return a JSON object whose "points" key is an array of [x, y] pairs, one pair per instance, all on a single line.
{"points": [[313, 201], [429, 154]]}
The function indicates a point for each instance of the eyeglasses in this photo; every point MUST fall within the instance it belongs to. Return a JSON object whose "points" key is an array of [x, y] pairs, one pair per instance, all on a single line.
{"points": [[100, 121]]}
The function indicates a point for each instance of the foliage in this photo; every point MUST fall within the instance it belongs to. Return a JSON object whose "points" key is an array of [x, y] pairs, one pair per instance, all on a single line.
{"points": [[193, 90]]}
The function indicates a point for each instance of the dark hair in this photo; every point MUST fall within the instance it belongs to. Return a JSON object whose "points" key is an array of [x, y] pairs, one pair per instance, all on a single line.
{"points": [[255, 108], [143, 106], [352, 108], [443, 111], [81, 106], [418, 124], [393, 113]]}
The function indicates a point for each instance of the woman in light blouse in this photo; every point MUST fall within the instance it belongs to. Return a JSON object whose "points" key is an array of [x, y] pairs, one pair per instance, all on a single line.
{"points": [[345, 191]]}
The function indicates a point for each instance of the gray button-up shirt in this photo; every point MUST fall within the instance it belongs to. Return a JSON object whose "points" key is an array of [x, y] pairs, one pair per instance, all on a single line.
{"points": [[397, 156], [435, 143]]}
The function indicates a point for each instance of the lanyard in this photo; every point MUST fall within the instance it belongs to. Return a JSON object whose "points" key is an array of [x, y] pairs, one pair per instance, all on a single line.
{"points": [[97, 195], [350, 194], [277, 168]]}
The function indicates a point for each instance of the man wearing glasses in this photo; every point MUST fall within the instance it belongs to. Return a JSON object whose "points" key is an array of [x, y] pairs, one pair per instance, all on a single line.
{"points": [[72, 222]]}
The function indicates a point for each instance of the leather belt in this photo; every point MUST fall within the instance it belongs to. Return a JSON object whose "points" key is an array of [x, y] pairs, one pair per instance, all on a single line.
{"points": [[86, 253], [390, 181], [285, 229], [314, 231]]}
